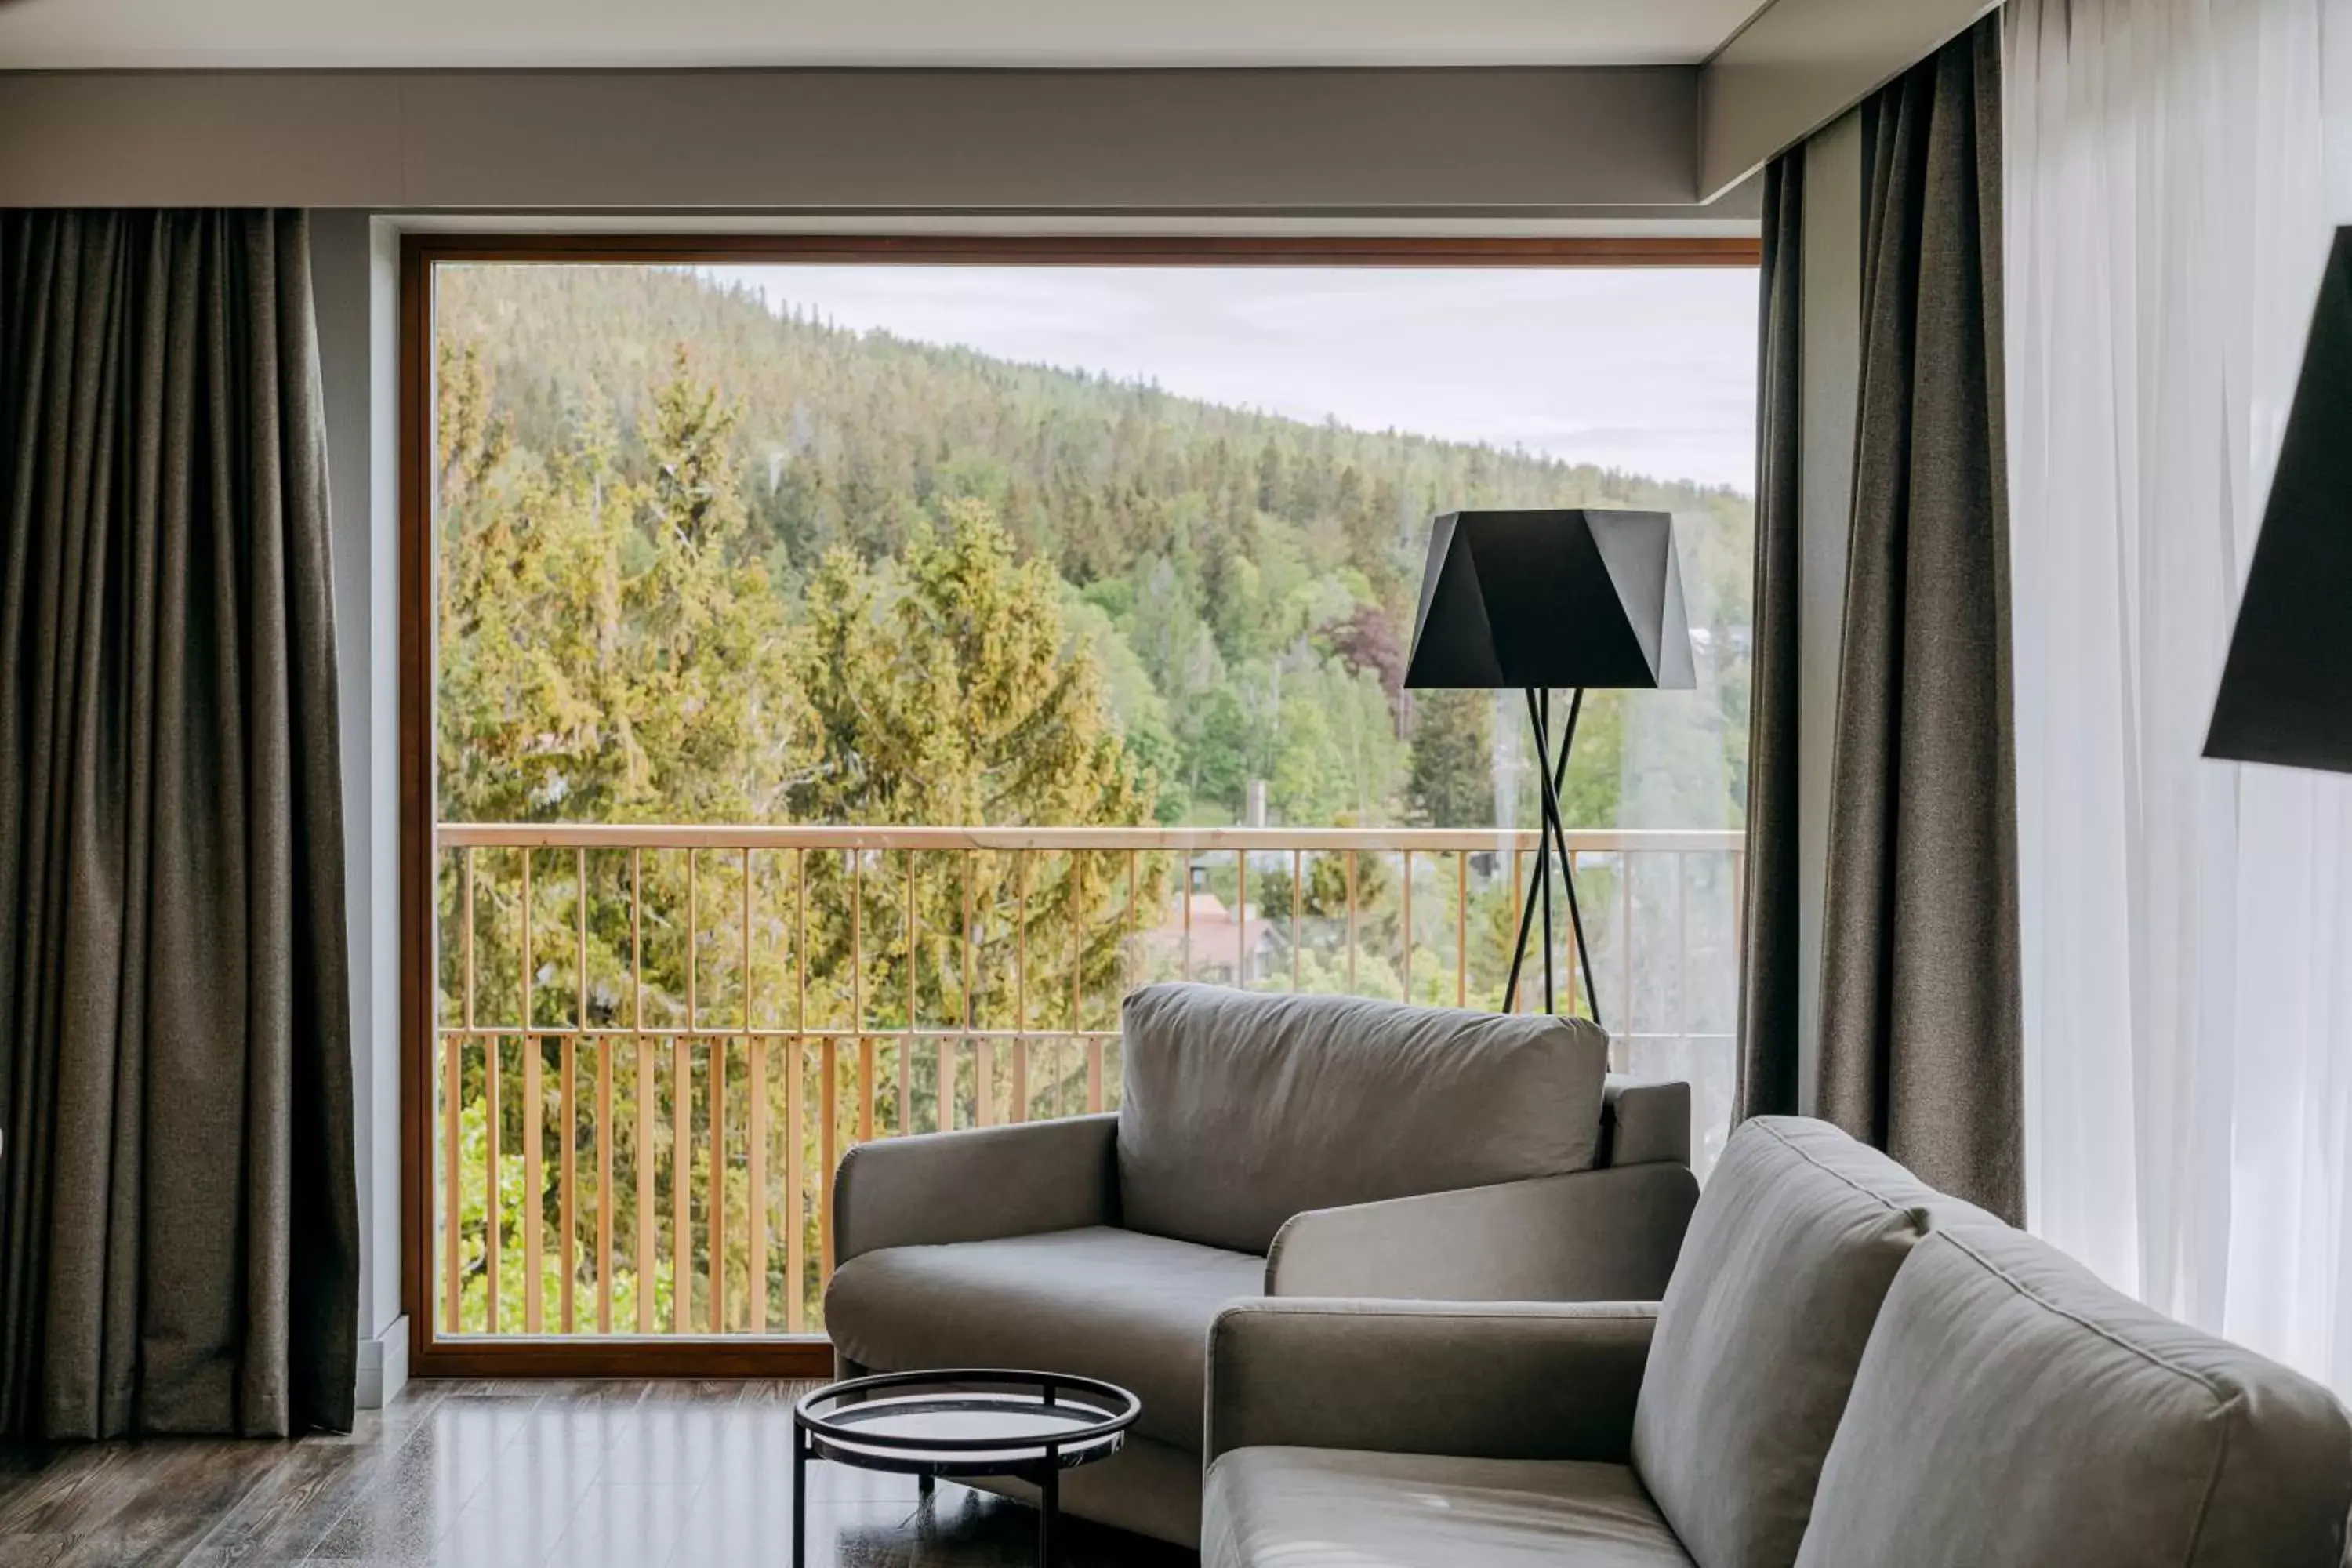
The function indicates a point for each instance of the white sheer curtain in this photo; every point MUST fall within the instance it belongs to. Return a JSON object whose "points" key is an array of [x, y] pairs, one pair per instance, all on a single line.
{"points": [[2187, 924]]}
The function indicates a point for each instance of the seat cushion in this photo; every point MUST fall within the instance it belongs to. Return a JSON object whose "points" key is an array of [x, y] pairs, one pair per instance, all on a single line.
{"points": [[2011, 1408], [1790, 1253], [1334, 1507], [1242, 1111], [1132, 1310]]}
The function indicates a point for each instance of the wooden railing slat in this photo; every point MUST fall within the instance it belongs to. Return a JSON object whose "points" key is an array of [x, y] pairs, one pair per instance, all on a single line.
{"points": [[1019, 985], [714, 1196], [534, 1177], [756, 1137], [568, 1163], [796, 1105], [453, 1109], [607, 1200], [644, 1045], [828, 1054], [493, 1207]]}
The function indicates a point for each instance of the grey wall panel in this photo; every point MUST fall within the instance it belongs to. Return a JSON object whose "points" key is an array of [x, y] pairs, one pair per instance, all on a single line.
{"points": [[1800, 64], [1295, 140], [197, 139]]}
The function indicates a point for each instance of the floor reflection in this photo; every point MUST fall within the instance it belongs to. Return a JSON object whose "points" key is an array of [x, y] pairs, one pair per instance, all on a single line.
{"points": [[502, 1475]]}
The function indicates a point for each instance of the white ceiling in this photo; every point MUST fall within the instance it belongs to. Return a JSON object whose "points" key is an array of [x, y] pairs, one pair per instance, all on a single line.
{"points": [[69, 35]]}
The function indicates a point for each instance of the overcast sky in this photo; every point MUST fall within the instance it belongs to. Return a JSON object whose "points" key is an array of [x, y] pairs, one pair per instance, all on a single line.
{"points": [[1648, 370]]}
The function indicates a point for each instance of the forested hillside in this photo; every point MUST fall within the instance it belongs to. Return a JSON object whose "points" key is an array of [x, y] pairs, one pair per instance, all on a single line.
{"points": [[1241, 585]]}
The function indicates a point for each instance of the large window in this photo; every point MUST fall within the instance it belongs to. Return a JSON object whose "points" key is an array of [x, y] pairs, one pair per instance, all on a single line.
{"points": [[849, 679]]}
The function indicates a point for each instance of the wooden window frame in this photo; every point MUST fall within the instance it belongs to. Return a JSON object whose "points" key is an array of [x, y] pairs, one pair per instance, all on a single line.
{"points": [[420, 252]]}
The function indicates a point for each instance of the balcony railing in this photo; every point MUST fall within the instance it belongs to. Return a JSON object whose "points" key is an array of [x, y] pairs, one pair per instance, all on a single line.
{"points": [[655, 1042]]}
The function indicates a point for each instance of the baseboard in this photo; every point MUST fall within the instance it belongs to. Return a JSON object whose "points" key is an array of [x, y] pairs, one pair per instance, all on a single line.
{"points": [[383, 1365]]}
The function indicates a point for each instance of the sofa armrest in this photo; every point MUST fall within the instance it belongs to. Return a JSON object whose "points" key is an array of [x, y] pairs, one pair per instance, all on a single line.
{"points": [[1503, 1381], [1645, 1120], [975, 1186], [1590, 1236]]}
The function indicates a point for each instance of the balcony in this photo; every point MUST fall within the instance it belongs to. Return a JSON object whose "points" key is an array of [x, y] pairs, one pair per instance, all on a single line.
{"points": [[654, 1043]]}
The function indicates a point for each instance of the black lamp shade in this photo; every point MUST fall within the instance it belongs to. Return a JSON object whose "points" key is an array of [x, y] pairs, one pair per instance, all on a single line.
{"points": [[1551, 600], [2286, 688]]}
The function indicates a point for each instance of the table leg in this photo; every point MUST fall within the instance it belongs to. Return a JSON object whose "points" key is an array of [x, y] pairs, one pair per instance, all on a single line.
{"points": [[1049, 1509], [800, 1499], [923, 1486]]}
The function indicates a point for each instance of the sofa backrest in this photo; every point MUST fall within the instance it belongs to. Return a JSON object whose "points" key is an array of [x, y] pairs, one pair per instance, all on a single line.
{"points": [[2011, 1408], [1242, 1109], [1794, 1243]]}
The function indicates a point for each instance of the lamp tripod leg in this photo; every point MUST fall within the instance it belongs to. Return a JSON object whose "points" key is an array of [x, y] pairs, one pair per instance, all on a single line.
{"points": [[1576, 922], [1555, 774], [1551, 773], [1543, 855], [1519, 948], [1548, 825], [1538, 889]]}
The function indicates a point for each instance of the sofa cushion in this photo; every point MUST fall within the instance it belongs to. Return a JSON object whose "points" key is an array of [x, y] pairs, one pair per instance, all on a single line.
{"points": [[1133, 1310], [2011, 1408], [1795, 1240], [1242, 1111], [1335, 1508]]}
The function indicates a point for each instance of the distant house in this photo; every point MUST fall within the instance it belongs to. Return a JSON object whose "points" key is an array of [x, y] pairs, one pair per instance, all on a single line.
{"points": [[1224, 949]]}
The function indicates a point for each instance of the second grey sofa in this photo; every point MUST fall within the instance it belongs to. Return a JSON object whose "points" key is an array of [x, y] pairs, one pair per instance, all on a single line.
{"points": [[1849, 1370], [1265, 1146]]}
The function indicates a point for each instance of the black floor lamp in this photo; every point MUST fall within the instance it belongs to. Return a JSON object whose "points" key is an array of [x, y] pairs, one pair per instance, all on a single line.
{"points": [[1543, 602], [2286, 688]]}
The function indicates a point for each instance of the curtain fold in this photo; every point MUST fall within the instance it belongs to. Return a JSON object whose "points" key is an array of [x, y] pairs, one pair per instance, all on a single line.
{"points": [[2188, 923], [1919, 1050], [1768, 982], [180, 1251]]}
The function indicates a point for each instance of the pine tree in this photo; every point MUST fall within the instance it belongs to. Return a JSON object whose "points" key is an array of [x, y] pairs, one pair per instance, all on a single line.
{"points": [[1451, 779], [612, 649], [946, 691]]}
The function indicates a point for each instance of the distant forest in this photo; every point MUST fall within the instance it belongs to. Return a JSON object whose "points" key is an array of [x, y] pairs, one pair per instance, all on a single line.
{"points": [[1228, 594]]}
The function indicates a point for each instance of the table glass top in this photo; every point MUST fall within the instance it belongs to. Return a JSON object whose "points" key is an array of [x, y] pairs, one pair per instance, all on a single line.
{"points": [[965, 1417]]}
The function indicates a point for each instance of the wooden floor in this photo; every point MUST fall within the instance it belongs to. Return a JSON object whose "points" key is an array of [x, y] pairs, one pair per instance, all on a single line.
{"points": [[508, 1475]]}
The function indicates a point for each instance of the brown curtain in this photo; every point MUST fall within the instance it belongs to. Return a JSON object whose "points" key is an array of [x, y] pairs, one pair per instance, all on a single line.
{"points": [[181, 1243], [1920, 1013], [1768, 976]]}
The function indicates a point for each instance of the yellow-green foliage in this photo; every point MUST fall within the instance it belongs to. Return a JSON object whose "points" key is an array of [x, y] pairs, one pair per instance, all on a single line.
{"points": [[612, 649]]}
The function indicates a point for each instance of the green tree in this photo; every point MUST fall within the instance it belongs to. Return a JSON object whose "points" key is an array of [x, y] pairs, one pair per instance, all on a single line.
{"points": [[1450, 780], [1338, 758], [612, 648], [946, 692]]}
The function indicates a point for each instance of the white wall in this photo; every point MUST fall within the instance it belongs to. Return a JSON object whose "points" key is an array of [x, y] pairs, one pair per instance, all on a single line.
{"points": [[353, 283]]}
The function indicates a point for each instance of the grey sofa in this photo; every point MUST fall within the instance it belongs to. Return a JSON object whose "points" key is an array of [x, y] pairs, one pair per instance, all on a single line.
{"points": [[1849, 1370], [1265, 1146]]}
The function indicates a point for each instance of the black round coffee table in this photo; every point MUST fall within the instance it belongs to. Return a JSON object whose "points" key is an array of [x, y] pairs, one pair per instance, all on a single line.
{"points": [[965, 1423]]}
